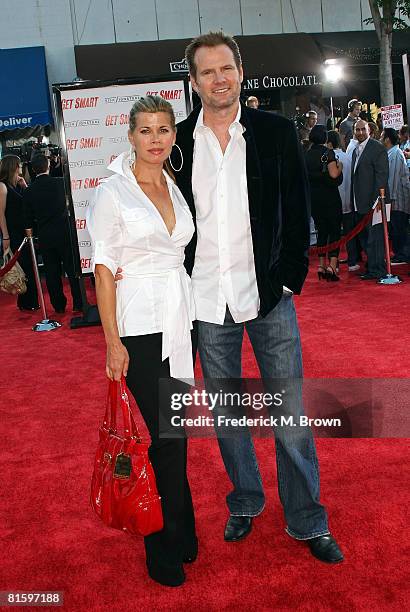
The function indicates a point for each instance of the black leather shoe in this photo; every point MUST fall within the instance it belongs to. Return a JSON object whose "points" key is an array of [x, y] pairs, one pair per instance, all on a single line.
{"points": [[369, 277], [168, 576], [325, 549], [237, 528]]}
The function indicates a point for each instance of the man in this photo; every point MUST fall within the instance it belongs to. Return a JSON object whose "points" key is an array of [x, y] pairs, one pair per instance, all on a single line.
{"points": [[346, 127], [322, 111], [252, 102], [399, 187], [405, 142], [44, 202], [245, 181], [369, 173], [311, 121]]}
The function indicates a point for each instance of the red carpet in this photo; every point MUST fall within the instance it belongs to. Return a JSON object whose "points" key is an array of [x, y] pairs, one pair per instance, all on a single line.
{"points": [[52, 393]]}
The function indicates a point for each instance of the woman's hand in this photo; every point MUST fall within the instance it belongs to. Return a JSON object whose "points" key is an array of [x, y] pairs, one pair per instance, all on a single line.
{"points": [[6, 244], [117, 361]]}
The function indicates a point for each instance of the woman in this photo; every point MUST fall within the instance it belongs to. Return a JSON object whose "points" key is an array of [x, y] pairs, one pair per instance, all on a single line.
{"points": [[374, 130], [325, 174], [140, 222], [12, 225]]}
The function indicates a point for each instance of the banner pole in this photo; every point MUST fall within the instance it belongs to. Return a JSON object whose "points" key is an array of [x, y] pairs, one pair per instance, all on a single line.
{"points": [[389, 279], [45, 324]]}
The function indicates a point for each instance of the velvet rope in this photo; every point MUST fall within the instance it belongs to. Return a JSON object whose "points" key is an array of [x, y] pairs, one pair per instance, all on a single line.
{"points": [[335, 245], [10, 264]]}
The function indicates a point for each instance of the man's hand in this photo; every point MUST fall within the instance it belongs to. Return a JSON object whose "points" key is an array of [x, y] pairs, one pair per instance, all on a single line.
{"points": [[118, 276], [21, 182], [117, 361]]}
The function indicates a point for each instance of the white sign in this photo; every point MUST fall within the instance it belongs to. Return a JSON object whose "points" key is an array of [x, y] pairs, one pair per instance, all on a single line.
{"points": [[392, 116], [95, 130]]}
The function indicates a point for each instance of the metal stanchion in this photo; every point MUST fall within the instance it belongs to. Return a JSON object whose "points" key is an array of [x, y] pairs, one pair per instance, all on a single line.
{"points": [[389, 279], [46, 324]]}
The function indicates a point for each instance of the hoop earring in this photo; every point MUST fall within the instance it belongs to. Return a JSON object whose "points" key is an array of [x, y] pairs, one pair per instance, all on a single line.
{"points": [[132, 157], [182, 159]]}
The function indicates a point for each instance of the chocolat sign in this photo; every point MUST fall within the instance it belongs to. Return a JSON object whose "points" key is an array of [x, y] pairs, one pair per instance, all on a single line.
{"points": [[277, 82]]}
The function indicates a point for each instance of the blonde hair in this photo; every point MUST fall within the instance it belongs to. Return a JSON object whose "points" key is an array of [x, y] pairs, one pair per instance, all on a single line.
{"points": [[153, 104]]}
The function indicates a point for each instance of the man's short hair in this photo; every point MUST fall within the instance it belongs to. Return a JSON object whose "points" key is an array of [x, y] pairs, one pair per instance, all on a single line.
{"points": [[212, 39], [352, 103], [311, 113], [251, 99], [39, 163], [404, 129], [392, 135]]}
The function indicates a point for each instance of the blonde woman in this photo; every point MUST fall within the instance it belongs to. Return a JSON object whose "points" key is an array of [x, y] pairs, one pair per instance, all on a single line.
{"points": [[139, 222]]}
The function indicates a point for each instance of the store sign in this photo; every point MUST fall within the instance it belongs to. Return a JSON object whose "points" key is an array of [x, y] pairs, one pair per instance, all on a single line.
{"points": [[270, 82], [392, 116], [15, 122], [181, 66]]}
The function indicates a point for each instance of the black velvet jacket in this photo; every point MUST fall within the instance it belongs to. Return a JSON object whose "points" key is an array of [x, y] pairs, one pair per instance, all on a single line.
{"points": [[278, 200]]}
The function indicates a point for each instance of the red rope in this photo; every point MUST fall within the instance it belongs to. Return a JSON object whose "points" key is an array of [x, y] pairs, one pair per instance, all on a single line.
{"points": [[10, 264], [335, 245]]}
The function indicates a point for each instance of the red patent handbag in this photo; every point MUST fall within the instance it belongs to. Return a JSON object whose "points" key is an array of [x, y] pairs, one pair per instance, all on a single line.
{"points": [[123, 489]]}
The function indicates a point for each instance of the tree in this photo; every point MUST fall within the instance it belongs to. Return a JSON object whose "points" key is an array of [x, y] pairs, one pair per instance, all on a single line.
{"points": [[387, 15]]}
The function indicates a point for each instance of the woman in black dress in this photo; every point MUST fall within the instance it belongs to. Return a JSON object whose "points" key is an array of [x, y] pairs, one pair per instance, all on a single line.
{"points": [[12, 225], [325, 175]]}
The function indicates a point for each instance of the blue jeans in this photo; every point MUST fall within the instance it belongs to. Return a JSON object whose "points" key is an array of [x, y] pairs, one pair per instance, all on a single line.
{"points": [[276, 343]]}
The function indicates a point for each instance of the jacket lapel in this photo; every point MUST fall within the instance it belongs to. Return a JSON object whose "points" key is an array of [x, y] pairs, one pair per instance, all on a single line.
{"points": [[253, 168]]}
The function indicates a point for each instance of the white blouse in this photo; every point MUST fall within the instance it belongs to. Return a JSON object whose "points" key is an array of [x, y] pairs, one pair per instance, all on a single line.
{"points": [[155, 294]]}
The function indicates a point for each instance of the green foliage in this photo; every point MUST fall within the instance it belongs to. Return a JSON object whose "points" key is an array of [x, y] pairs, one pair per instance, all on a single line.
{"points": [[390, 13]]}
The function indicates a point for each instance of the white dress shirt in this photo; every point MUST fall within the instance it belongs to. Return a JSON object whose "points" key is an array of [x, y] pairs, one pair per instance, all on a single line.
{"points": [[155, 293], [224, 270], [344, 188], [359, 150]]}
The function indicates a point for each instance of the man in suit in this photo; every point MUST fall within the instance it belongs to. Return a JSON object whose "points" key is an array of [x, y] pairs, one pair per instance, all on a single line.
{"points": [[369, 173], [44, 202], [244, 178]]}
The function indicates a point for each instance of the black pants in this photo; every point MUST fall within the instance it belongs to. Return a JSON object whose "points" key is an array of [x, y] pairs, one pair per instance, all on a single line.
{"points": [[372, 240], [30, 298], [56, 259], [353, 247], [399, 228], [168, 456]]}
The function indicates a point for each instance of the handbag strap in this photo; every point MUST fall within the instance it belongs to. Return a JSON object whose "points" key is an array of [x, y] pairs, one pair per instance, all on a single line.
{"points": [[110, 419]]}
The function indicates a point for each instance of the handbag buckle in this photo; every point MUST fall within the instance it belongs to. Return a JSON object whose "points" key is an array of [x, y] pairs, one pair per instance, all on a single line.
{"points": [[123, 466], [107, 457]]}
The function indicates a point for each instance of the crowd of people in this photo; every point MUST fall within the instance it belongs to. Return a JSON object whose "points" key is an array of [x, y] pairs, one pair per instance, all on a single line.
{"points": [[38, 203], [347, 167]]}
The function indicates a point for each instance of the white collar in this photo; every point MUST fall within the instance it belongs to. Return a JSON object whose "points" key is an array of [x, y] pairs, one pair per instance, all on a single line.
{"points": [[200, 121], [362, 145], [122, 165]]}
